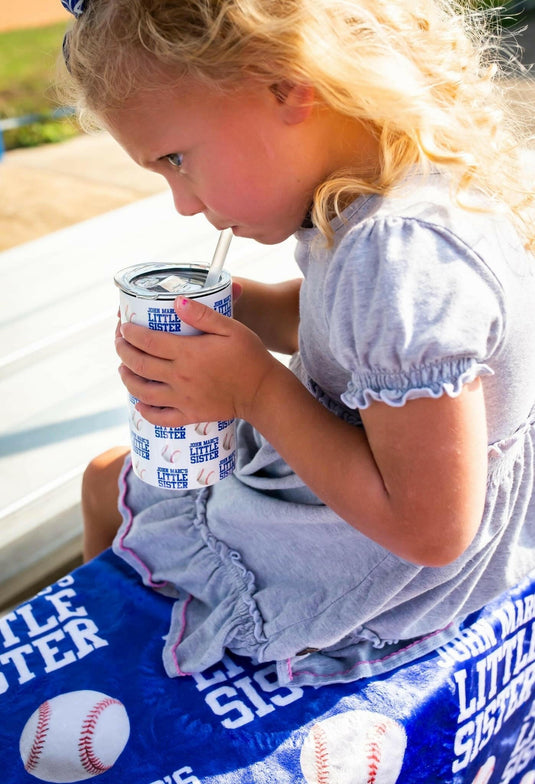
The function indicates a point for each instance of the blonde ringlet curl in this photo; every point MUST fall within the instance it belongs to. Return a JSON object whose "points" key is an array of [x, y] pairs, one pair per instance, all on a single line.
{"points": [[429, 77]]}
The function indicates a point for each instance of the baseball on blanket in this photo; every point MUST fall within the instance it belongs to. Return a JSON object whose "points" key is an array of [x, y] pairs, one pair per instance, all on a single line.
{"points": [[355, 747], [74, 736], [485, 772]]}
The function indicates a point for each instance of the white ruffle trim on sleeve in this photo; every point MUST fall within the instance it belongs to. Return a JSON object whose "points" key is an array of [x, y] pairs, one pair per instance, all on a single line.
{"points": [[395, 388]]}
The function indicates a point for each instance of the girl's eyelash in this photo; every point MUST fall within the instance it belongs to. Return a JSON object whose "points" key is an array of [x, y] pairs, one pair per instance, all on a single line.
{"points": [[175, 159]]}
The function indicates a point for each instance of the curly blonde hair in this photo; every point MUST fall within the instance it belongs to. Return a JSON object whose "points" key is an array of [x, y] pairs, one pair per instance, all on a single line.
{"points": [[427, 75]]}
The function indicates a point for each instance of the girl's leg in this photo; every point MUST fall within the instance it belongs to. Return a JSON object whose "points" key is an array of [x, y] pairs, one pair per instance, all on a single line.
{"points": [[99, 501]]}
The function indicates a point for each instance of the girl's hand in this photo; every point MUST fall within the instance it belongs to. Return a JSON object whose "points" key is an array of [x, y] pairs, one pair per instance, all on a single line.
{"points": [[271, 310], [185, 379]]}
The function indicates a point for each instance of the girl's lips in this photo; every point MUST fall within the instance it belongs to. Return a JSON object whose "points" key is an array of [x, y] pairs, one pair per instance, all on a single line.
{"points": [[223, 228]]}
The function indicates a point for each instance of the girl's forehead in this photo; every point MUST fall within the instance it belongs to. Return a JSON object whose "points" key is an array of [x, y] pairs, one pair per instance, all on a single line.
{"points": [[188, 91], [190, 102], [183, 112], [179, 97]]}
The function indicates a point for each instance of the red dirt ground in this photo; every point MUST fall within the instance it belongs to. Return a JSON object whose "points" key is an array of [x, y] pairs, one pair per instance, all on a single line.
{"points": [[31, 13]]}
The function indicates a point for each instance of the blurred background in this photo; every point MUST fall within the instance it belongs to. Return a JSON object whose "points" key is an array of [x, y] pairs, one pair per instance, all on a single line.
{"points": [[30, 40]]}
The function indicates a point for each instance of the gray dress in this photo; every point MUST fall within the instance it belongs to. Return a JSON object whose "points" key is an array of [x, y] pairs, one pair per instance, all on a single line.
{"points": [[416, 298]]}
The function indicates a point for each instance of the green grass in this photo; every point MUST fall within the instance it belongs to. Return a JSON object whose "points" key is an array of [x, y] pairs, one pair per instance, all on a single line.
{"points": [[28, 61]]}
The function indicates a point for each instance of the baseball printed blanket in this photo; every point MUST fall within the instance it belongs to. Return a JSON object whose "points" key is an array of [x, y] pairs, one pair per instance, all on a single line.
{"points": [[83, 694]]}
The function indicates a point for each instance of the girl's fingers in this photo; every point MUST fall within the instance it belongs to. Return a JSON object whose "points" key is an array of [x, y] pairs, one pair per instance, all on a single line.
{"points": [[237, 290], [152, 393], [144, 365], [157, 344], [164, 416]]}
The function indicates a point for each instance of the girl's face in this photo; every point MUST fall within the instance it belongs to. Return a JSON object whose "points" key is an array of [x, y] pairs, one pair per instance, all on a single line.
{"points": [[249, 160]]}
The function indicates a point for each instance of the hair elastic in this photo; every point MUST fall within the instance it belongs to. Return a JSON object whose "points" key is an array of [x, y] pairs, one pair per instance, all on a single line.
{"points": [[75, 7]]}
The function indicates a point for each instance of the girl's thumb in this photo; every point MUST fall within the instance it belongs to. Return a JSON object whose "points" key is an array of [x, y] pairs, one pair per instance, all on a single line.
{"points": [[197, 315]]}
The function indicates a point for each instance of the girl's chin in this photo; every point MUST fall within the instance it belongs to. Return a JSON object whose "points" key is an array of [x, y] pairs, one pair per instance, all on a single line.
{"points": [[261, 235]]}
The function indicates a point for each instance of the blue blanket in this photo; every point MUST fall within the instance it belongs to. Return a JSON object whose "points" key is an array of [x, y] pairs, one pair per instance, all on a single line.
{"points": [[83, 694]]}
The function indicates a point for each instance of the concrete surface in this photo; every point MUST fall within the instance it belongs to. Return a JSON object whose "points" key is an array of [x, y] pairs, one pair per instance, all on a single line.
{"points": [[43, 189]]}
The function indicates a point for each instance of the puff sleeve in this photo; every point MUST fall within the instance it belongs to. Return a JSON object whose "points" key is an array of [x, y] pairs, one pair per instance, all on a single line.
{"points": [[412, 311]]}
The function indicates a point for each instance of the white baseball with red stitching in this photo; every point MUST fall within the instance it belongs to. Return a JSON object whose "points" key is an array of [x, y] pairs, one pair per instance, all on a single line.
{"points": [[74, 736], [485, 772], [355, 747]]}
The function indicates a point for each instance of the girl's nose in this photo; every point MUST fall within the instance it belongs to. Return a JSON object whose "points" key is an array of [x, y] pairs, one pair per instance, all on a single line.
{"points": [[186, 203]]}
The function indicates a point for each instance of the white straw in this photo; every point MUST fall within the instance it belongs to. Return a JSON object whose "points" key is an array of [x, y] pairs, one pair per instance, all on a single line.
{"points": [[218, 259]]}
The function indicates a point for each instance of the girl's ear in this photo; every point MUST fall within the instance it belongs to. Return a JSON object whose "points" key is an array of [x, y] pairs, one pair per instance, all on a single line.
{"points": [[296, 100]]}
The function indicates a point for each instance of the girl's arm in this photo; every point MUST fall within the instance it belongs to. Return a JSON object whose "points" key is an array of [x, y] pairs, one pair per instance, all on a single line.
{"points": [[413, 479], [270, 310]]}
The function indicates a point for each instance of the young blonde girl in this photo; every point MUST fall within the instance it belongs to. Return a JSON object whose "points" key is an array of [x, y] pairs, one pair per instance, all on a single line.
{"points": [[384, 486]]}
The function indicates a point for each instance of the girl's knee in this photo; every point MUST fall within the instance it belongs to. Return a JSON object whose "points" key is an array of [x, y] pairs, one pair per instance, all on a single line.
{"points": [[100, 493], [99, 482]]}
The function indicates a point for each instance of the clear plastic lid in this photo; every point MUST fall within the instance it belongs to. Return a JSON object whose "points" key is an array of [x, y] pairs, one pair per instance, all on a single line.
{"points": [[165, 281]]}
